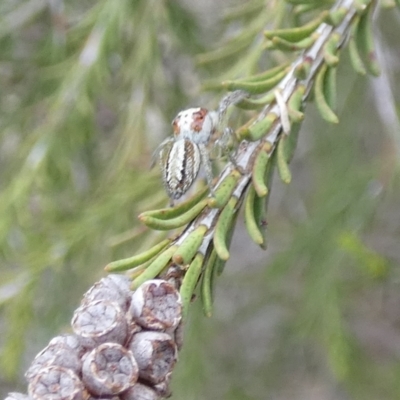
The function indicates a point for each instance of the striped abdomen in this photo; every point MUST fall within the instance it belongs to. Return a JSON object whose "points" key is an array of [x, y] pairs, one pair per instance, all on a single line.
{"points": [[180, 164]]}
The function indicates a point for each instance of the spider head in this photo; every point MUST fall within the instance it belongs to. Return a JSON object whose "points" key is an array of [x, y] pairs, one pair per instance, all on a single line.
{"points": [[194, 124]]}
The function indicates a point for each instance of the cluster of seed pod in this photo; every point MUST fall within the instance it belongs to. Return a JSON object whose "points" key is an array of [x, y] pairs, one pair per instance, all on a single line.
{"points": [[124, 346]]}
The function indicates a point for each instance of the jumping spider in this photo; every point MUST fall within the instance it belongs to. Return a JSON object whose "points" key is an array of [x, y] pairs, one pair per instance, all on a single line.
{"points": [[182, 154]]}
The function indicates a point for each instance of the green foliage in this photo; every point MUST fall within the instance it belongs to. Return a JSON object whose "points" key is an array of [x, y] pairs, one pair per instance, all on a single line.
{"points": [[77, 88], [87, 93], [207, 229]]}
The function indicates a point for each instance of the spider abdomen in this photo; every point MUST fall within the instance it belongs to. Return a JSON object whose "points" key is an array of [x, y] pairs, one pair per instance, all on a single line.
{"points": [[180, 165]]}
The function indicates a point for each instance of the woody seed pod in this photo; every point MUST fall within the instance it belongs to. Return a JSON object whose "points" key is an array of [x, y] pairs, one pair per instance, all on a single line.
{"points": [[17, 396], [62, 351], [99, 322], [56, 383], [109, 369], [163, 388], [103, 398], [156, 304], [155, 353], [172, 275], [140, 392], [112, 288], [117, 282], [178, 335]]}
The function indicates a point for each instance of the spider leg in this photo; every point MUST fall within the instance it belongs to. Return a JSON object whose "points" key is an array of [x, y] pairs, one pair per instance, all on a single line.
{"points": [[222, 144], [157, 153], [205, 159], [230, 99]]}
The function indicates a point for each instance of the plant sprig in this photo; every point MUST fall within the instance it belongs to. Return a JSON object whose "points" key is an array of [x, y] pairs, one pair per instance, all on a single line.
{"points": [[268, 141]]}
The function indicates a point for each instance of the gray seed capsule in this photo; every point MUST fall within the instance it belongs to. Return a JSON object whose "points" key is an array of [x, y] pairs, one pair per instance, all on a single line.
{"points": [[57, 383], [156, 355], [17, 396], [112, 288], [156, 304], [104, 398], [99, 322], [163, 388], [179, 332], [140, 392], [63, 351], [109, 370]]}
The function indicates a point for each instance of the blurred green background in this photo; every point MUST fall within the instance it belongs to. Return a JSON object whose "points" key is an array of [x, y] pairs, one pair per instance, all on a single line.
{"points": [[88, 90]]}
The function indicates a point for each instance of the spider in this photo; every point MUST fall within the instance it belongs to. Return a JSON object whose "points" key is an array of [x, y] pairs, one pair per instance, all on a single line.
{"points": [[182, 154]]}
